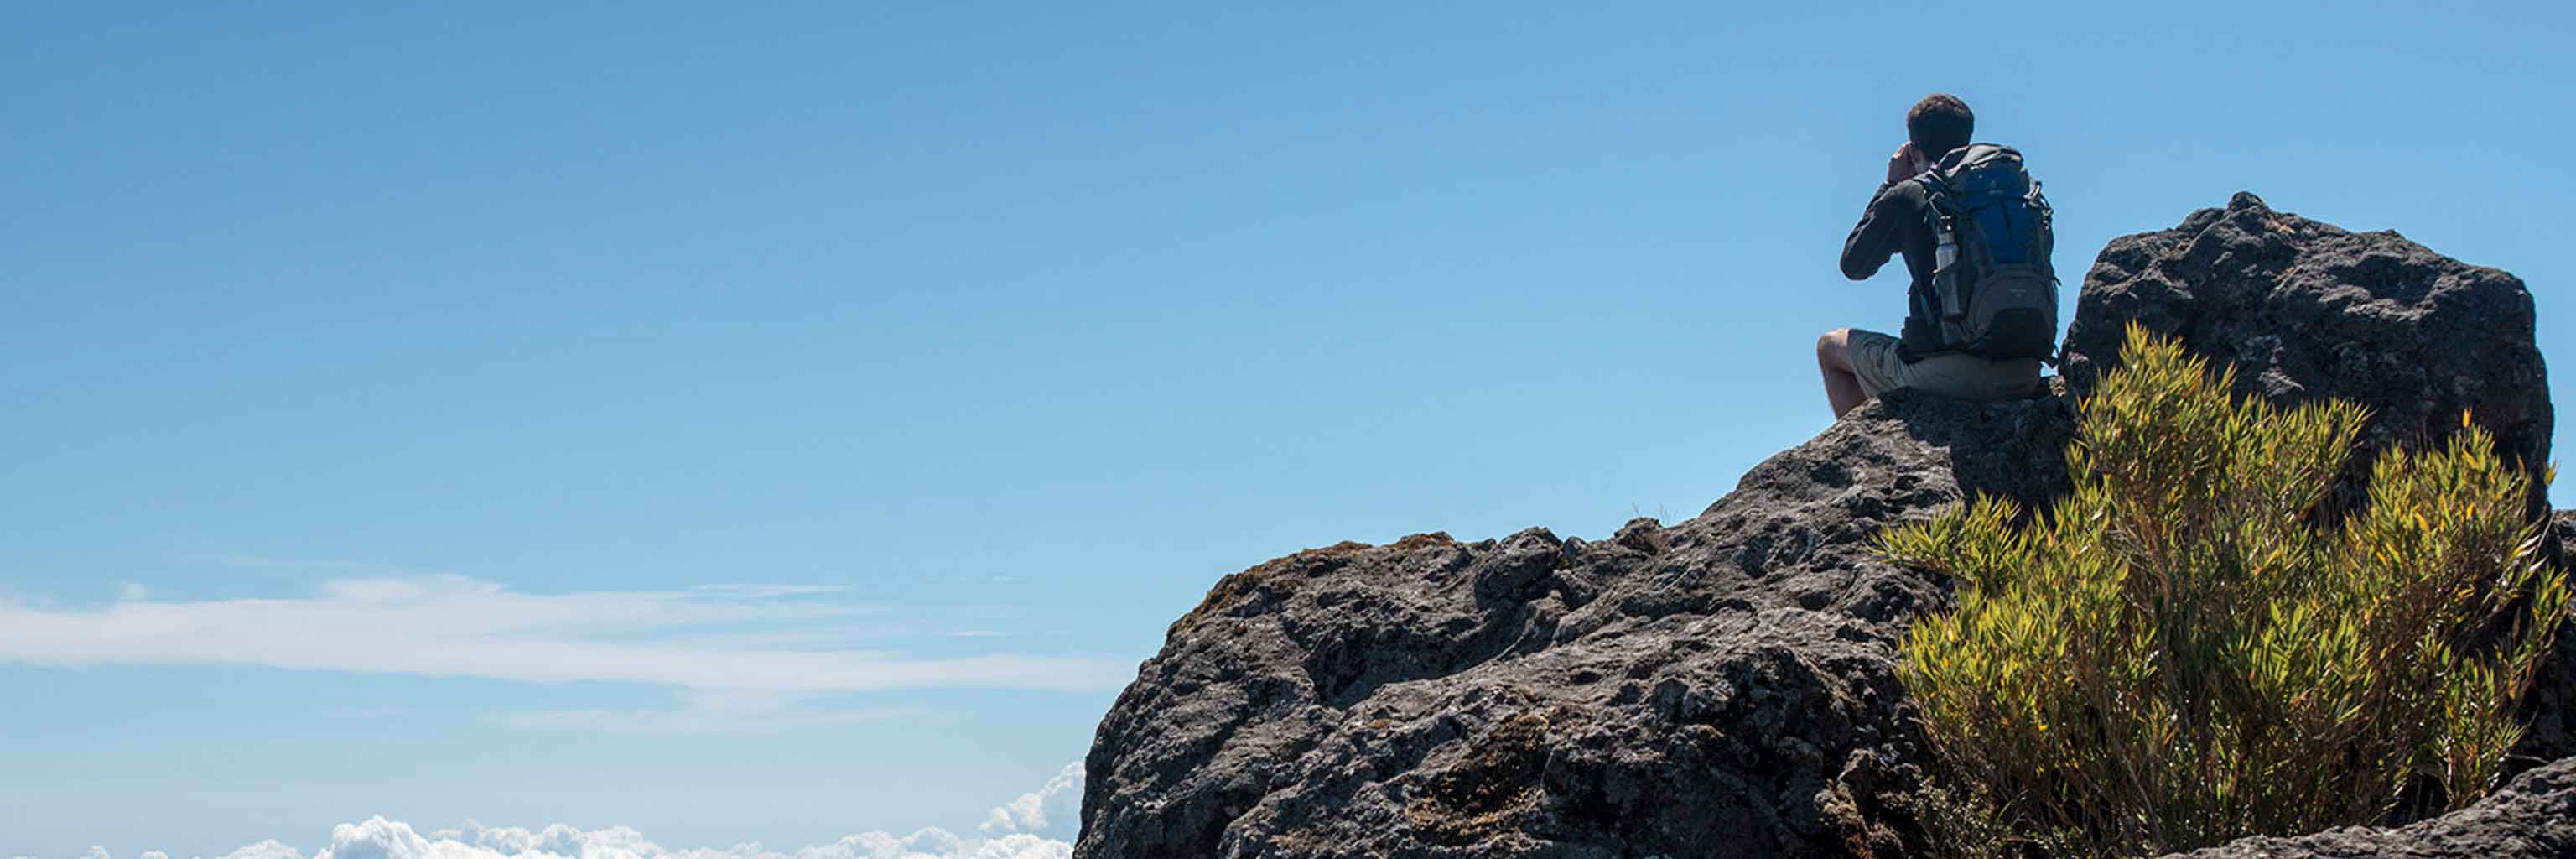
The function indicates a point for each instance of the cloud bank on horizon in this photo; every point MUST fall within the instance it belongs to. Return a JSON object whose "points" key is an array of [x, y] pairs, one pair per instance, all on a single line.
{"points": [[448, 625], [1037, 825]]}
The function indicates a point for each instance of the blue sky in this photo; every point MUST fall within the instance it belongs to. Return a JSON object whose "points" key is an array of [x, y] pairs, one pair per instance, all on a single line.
{"points": [[786, 422]]}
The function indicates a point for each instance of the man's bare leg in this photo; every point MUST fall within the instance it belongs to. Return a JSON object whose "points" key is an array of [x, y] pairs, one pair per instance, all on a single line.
{"points": [[1842, 387]]}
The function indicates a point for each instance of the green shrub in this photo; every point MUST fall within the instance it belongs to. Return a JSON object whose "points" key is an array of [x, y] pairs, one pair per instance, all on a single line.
{"points": [[2181, 653]]}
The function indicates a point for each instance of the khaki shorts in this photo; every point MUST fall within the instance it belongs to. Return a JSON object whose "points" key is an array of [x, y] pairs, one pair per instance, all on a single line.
{"points": [[1960, 376]]}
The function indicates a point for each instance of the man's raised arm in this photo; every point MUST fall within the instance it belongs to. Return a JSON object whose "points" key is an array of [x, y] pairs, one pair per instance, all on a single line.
{"points": [[1879, 235]]}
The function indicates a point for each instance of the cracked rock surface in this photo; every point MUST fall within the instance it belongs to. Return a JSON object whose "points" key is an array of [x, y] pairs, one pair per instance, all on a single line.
{"points": [[1721, 687], [2304, 309], [2532, 818]]}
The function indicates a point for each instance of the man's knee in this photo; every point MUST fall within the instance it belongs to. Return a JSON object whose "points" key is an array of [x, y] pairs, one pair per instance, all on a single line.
{"points": [[1830, 349]]}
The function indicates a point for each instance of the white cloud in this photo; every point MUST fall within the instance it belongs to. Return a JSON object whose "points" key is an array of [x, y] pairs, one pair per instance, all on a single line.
{"points": [[455, 626], [1054, 811], [270, 849], [380, 838]]}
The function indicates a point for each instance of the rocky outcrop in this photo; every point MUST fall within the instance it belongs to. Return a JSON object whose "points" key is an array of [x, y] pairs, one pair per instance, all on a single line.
{"points": [[2304, 309], [2532, 818], [2550, 726], [1724, 686]]}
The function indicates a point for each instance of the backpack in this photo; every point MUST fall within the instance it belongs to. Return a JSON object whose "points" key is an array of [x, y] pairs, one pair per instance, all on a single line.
{"points": [[1993, 288]]}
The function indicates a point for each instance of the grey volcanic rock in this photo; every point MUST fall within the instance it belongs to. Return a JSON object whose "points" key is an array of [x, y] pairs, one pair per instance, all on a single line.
{"points": [[1723, 687], [2551, 730], [2304, 310], [2532, 818]]}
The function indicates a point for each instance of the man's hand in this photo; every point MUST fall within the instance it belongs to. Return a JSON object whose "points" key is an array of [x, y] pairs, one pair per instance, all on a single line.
{"points": [[1906, 163]]}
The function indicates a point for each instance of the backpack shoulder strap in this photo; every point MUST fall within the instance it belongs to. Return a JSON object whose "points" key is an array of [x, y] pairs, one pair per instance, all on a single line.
{"points": [[2043, 235], [1937, 195]]}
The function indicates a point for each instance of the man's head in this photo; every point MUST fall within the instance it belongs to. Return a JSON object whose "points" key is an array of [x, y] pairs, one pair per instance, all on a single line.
{"points": [[1939, 123]]}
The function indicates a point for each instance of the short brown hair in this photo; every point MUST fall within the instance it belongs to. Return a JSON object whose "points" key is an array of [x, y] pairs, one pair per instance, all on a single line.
{"points": [[1939, 123]]}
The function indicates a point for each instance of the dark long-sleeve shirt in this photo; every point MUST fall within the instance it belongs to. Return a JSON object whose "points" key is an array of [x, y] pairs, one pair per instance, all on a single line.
{"points": [[1893, 223]]}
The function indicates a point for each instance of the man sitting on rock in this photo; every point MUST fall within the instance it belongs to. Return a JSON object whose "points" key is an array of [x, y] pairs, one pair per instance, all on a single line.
{"points": [[1982, 308]]}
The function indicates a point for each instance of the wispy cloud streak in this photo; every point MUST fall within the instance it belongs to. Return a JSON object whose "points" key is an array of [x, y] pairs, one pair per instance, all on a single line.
{"points": [[456, 626]]}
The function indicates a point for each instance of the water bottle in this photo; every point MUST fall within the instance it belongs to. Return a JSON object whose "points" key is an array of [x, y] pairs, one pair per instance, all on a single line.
{"points": [[1944, 279]]}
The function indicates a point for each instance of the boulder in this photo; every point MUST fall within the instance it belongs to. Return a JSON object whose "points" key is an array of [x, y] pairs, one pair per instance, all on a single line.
{"points": [[2303, 310], [2532, 818], [1722, 687], [1726, 686], [2550, 712]]}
